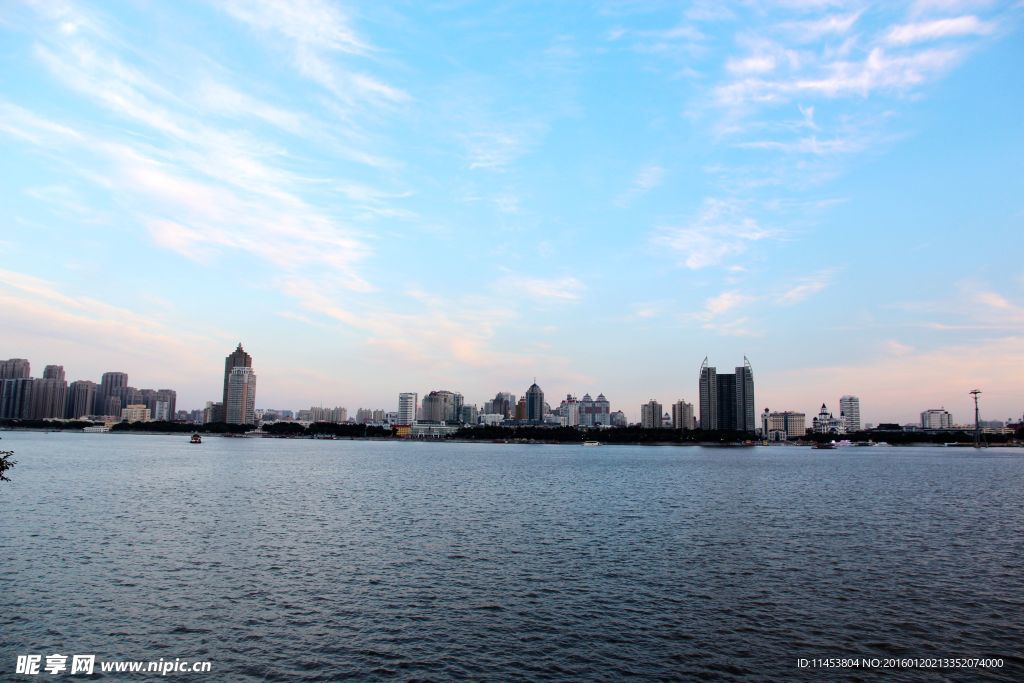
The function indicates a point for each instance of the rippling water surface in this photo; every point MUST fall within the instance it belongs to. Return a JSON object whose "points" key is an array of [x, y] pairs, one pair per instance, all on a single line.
{"points": [[284, 560]]}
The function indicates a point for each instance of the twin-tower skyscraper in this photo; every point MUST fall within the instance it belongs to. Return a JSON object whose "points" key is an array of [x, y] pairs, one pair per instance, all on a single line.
{"points": [[727, 401]]}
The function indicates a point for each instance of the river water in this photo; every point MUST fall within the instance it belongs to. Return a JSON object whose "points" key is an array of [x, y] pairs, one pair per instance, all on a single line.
{"points": [[299, 560]]}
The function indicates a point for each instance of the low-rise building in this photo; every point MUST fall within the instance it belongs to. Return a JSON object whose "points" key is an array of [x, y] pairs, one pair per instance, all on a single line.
{"points": [[783, 426], [936, 419], [135, 412], [826, 423]]}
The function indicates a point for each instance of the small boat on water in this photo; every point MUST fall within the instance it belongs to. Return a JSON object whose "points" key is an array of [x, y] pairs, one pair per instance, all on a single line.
{"points": [[591, 443], [829, 445], [196, 439]]}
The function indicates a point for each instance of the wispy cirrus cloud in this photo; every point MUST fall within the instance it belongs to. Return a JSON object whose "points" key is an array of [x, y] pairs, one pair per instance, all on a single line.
{"points": [[542, 290], [967, 25], [40, 313], [316, 31], [647, 178], [807, 287], [722, 229], [199, 183]]}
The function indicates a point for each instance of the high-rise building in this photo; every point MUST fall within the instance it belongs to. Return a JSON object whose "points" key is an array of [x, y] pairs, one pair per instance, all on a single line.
{"points": [[594, 411], [504, 403], [54, 372], [16, 398], [727, 401], [650, 415], [618, 419], [49, 395], [168, 397], [469, 415], [15, 368], [442, 406], [236, 359], [936, 418], [682, 415], [520, 413], [336, 415], [110, 394], [535, 404], [407, 407], [569, 411], [708, 396], [81, 399], [214, 412], [241, 397], [849, 407]]}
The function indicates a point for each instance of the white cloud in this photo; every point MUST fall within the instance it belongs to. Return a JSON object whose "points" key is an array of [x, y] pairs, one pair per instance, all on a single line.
{"points": [[754, 64], [646, 179], [897, 348], [723, 303], [807, 287], [948, 6], [810, 30], [968, 25], [307, 22], [721, 230], [543, 290], [315, 31]]}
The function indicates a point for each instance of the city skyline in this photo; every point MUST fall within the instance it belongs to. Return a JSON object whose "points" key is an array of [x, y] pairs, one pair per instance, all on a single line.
{"points": [[467, 197], [439, 404]]}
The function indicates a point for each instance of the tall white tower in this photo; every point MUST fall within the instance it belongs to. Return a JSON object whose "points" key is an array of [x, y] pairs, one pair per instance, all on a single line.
{"points": [[849, 406], [407, 403]]}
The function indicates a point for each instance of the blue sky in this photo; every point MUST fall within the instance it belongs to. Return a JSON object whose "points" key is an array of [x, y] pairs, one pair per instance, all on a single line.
{"points": [[379, 197]]}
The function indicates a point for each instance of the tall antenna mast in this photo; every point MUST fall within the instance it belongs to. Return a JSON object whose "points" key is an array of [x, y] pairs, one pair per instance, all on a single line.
{"points": [[977, 420]]}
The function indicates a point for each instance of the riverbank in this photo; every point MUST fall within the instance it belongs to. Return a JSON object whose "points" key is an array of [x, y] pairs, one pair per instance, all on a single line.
{"points": [[512, 440]]}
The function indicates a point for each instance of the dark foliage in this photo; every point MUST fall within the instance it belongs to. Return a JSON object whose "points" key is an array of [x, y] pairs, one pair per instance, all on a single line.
{"points": [[180, 428], [46, 424], [901, 438], [327, 429], [6, 464], [620, 435]]}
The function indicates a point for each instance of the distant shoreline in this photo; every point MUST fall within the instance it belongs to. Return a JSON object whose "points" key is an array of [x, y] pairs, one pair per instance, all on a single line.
{"points": [[522, 442]]}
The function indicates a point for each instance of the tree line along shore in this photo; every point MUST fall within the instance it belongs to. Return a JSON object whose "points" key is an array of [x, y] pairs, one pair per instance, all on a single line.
{"points": [[521, 433]]}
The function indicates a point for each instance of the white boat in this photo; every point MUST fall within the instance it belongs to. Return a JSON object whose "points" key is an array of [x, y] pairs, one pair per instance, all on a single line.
{"points": [[96, 429], [591, 443]]}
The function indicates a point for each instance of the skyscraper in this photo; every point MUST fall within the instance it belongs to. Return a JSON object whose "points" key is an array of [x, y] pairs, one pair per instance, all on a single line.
{"points": [[535, 404], [682, 415], [241, 396], [110, 393], [15, 368], [81, 399], [407, 408], [442, 406], [164, 404], [49, 394], [849, 406], [504, 403], [236, 359], [727, 401], [54, 372], [569, 410], [594, 411], [650, 415], [15, 397]]}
